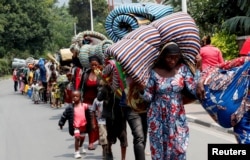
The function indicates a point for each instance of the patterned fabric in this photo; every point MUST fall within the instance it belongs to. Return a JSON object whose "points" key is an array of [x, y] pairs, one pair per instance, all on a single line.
{"points": [[114, 76], [126, 18], [242, 129], [138, 50], [168, 129], [226, 89]]}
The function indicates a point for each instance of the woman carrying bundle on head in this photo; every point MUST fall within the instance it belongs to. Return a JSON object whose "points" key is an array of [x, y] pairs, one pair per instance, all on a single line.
{"points": [[88, 88], [167, 122]]}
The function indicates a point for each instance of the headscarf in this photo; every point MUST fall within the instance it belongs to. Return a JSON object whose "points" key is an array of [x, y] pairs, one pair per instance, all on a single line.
{"points": [[170, 48]]}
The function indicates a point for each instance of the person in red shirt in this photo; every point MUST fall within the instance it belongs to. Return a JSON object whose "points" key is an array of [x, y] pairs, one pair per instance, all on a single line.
{"points": [[210, 54], [75, 114], [89, 84], [15, 79], [69, 89]]}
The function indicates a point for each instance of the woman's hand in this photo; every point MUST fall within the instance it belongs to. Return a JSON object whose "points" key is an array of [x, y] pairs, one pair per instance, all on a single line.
{"points": [[198, 61], [200, 91]]}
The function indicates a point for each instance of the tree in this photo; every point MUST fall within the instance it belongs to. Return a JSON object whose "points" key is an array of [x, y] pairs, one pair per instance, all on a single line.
{"points": [[81, 10], [211, 14], [24, 25], [33, 27], [240, 24], [61, 27]]}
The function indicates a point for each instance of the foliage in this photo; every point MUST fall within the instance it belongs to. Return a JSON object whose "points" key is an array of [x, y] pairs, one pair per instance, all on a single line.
{"points": [[34, 27], [81, 10], [227, 44], [4, 67], [61, 28], [24, 25], [239, 25], [176, 4], [210, 14]]}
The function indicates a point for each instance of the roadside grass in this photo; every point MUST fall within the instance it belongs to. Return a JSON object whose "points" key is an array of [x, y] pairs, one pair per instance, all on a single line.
{"points": [[5, 77]]}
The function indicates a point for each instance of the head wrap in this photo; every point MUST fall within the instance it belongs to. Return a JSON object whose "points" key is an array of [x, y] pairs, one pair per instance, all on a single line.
{"points": [[170, 48]]}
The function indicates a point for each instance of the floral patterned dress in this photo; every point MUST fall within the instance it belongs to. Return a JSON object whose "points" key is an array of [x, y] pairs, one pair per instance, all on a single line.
{"points": [[168, 129]]}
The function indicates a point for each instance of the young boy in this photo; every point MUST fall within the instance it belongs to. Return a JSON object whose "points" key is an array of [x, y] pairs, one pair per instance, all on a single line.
{"points": [[55, 96], [35, 92], [98, 108], [75, 114]]}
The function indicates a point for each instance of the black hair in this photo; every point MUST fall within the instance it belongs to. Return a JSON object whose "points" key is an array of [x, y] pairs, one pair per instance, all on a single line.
{"points": [[95, 58], [206, 40]]}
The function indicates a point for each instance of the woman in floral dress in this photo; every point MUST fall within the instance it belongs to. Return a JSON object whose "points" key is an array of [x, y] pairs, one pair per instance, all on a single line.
{"points": [[168, 128]]}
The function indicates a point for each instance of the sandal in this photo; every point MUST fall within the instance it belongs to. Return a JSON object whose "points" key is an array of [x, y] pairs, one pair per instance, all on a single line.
{"points": [[91, 147]]}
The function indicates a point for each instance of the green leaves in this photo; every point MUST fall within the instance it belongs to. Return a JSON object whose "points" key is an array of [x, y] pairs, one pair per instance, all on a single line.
{"points": [[227, 44], [34, 26], [81, 10]]}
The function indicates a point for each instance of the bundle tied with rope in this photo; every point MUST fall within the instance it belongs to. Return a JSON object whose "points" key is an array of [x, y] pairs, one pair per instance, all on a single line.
{"points": [[128, 17], [85, 44], [86, 37], [89, 50]]}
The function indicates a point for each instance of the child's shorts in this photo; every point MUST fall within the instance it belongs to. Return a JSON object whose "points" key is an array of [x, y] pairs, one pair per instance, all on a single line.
{"points": [[103, 134], [80, 132]]}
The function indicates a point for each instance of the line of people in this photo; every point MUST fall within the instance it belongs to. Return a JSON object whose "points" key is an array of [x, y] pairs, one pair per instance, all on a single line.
{"points": [[39, 82], [106, 122], [94, 109]]}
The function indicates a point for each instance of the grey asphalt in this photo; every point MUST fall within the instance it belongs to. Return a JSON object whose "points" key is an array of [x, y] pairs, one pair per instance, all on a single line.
{"points": [[197, 114]]}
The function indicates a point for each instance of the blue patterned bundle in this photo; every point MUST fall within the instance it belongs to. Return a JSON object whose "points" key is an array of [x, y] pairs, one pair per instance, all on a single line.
{"points": [[226, 91], [127, 18]]}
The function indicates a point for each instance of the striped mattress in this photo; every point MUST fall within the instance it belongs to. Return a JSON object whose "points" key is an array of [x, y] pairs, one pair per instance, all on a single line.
{"points": [[126, 18], [138, 50]]}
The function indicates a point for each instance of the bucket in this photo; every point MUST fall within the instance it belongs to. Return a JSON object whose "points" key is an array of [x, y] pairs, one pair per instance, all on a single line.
{"points": [[29, 92]]}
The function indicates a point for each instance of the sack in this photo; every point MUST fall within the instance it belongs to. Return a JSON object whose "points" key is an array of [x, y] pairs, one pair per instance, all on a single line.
{"points": [[66, 55]]}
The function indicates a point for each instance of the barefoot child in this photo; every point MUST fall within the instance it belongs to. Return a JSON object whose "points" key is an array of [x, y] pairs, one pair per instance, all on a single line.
{"points": [[75, 114]]}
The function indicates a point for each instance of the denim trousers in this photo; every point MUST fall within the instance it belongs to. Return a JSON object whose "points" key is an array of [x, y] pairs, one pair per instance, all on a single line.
{"points": [[138, 126]]}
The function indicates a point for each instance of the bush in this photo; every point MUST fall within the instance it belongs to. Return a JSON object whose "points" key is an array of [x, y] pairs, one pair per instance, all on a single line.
{"points": [[4, 67], [227, 44]]}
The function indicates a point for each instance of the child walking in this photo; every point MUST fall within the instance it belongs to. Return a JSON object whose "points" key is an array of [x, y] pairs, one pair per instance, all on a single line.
{"points": [[98, 108], [75, 114]]}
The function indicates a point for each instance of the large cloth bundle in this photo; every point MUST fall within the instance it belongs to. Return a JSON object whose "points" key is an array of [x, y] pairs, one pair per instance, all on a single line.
{"points": [[64, 57], [88, 50], [65, 54], [138, 50], [126, 18], [86, 37], [18, 63], [226, 88]]}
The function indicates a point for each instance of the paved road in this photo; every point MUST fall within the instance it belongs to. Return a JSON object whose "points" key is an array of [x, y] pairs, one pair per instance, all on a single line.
{"points": [[29, 131]]}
